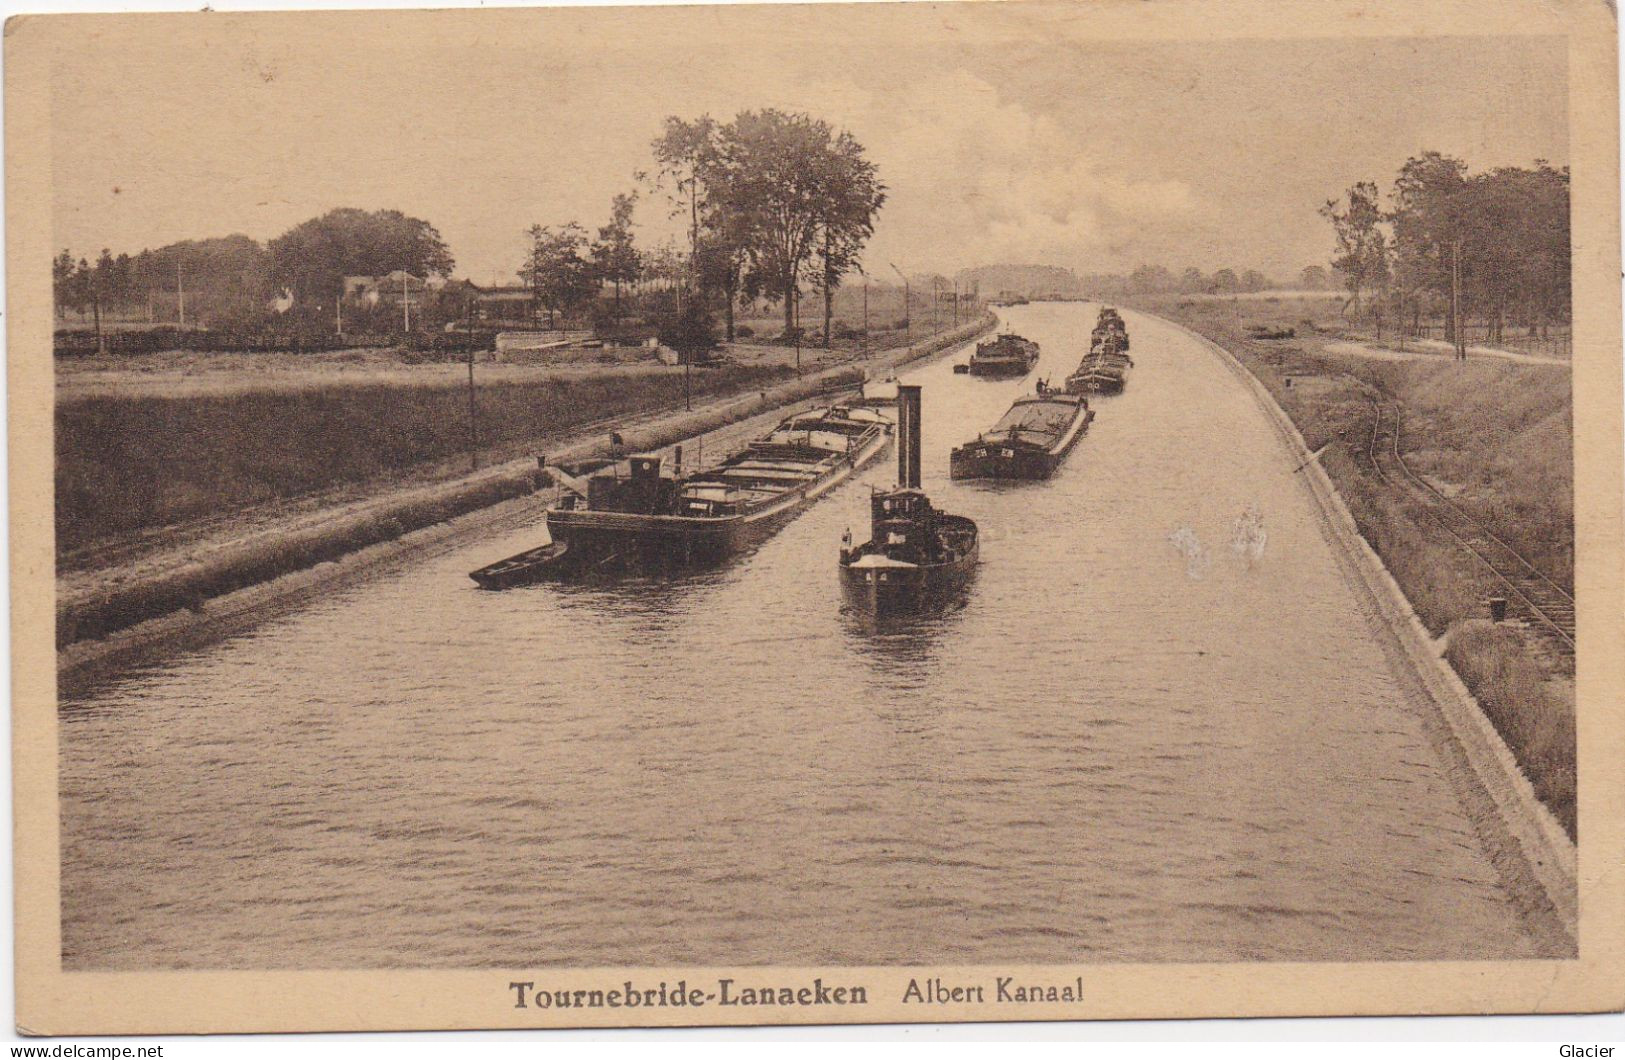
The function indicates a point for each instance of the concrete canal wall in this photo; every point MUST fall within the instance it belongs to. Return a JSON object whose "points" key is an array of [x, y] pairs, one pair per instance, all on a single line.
{"points": [[232, 588], [1528, 844]]}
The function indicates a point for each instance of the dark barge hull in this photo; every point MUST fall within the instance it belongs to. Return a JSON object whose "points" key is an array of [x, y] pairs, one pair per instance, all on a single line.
{"points": [[581, 551], [523, 569], [1095, 384], [1025, 462], [641, 544], [1022, 463], [1002, 369], [896, 591]]}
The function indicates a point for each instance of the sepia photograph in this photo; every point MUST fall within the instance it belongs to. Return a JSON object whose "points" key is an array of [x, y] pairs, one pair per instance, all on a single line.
{"points": [[815, 513]]}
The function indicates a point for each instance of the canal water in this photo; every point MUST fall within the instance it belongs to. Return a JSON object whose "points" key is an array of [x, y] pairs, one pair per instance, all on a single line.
{"points": [[1161, 729]]}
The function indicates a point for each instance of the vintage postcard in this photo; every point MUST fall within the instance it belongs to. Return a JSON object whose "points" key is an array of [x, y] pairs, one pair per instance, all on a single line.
{"points": [[626, 516]]}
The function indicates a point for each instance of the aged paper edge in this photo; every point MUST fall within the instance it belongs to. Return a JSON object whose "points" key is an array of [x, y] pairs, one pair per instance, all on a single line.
{"points": [[50, 1001]]}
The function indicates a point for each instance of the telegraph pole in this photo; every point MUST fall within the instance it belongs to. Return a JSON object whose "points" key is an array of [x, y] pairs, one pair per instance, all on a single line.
{"points": [[1400, 296], [180, 291], [866, 315], [908, 309], [1455, 300], [96, 287], [473, 421]]}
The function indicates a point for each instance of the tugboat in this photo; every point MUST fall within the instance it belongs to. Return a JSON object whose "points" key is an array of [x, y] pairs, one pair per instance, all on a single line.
{"points": [[918, 558], [1029, 441], [637, 517], [1005, 357]]}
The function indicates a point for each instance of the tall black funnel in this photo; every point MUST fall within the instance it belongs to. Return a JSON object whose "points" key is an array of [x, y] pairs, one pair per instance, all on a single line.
{"points": [[908, 437]]}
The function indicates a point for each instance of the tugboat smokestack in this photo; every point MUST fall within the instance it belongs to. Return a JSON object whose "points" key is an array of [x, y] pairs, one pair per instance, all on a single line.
{"points": [[908, 437]]}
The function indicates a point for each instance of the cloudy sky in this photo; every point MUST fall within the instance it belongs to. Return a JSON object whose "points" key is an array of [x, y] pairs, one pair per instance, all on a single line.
{"points": [[1001, 139]]}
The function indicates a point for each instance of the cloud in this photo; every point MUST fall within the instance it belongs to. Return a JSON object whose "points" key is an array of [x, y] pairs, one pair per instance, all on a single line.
{"points": [[975, 178]]}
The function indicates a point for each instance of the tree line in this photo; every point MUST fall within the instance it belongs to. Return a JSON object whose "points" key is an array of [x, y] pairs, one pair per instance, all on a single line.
{"points": [[1157, 279], [235, 280], [771, 202], [1495, 244]]}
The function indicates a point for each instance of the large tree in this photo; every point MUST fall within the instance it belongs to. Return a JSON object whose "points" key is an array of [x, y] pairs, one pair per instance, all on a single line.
{"points": [[557, 269], [62, 286], [700, 188], [312, 258], [795, 191], [1362, 246], [614, 256], [1427, 214], [852, 196]]}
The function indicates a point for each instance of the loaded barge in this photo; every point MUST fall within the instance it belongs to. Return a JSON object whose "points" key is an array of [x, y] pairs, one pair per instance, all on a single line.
{"points": [[1029, 441], [1005, 357], [918, 558], [639, 517], [1104, 369]]}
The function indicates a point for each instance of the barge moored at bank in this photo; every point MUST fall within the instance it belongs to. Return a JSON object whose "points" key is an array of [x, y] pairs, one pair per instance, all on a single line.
{"points": [[918, 558], [1028, 442], [639, 517]]}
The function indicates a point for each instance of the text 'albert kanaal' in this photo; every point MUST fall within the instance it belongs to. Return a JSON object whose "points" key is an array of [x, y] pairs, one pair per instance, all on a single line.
{"points": [[1006, 988]]}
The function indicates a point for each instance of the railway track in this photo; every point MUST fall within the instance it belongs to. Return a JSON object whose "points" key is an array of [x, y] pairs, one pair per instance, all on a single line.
{"points": [[1546, 606]]}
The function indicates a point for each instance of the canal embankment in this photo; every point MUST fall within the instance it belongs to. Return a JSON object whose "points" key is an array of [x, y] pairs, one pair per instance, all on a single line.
{"points": [[234, 573], [1506, 794]]}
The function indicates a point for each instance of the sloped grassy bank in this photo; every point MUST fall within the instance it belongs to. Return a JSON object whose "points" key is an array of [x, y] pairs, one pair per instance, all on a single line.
{"points": [[129, 463]]}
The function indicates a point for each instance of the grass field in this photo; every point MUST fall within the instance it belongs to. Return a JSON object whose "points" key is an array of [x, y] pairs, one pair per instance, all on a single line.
{"points": [[1495, 436]]}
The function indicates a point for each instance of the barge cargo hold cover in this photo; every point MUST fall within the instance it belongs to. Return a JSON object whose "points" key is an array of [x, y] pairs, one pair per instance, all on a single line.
{"points": [[637, 517], [1028, 442]]}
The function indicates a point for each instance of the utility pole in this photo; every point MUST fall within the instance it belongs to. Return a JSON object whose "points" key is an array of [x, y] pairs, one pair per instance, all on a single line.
{"points": [[96, 289], [406, 304], [908, 309], [339, 307], [1400, 296], [1455, 301], [795, 323], [866, 316], [473, 412], [956, 301], [180, 291]]}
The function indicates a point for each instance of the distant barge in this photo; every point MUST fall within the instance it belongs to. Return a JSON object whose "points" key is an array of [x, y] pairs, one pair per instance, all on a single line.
{"points": [[1104, 369], [1028, 442], [1007, 356], [637, 517]]}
